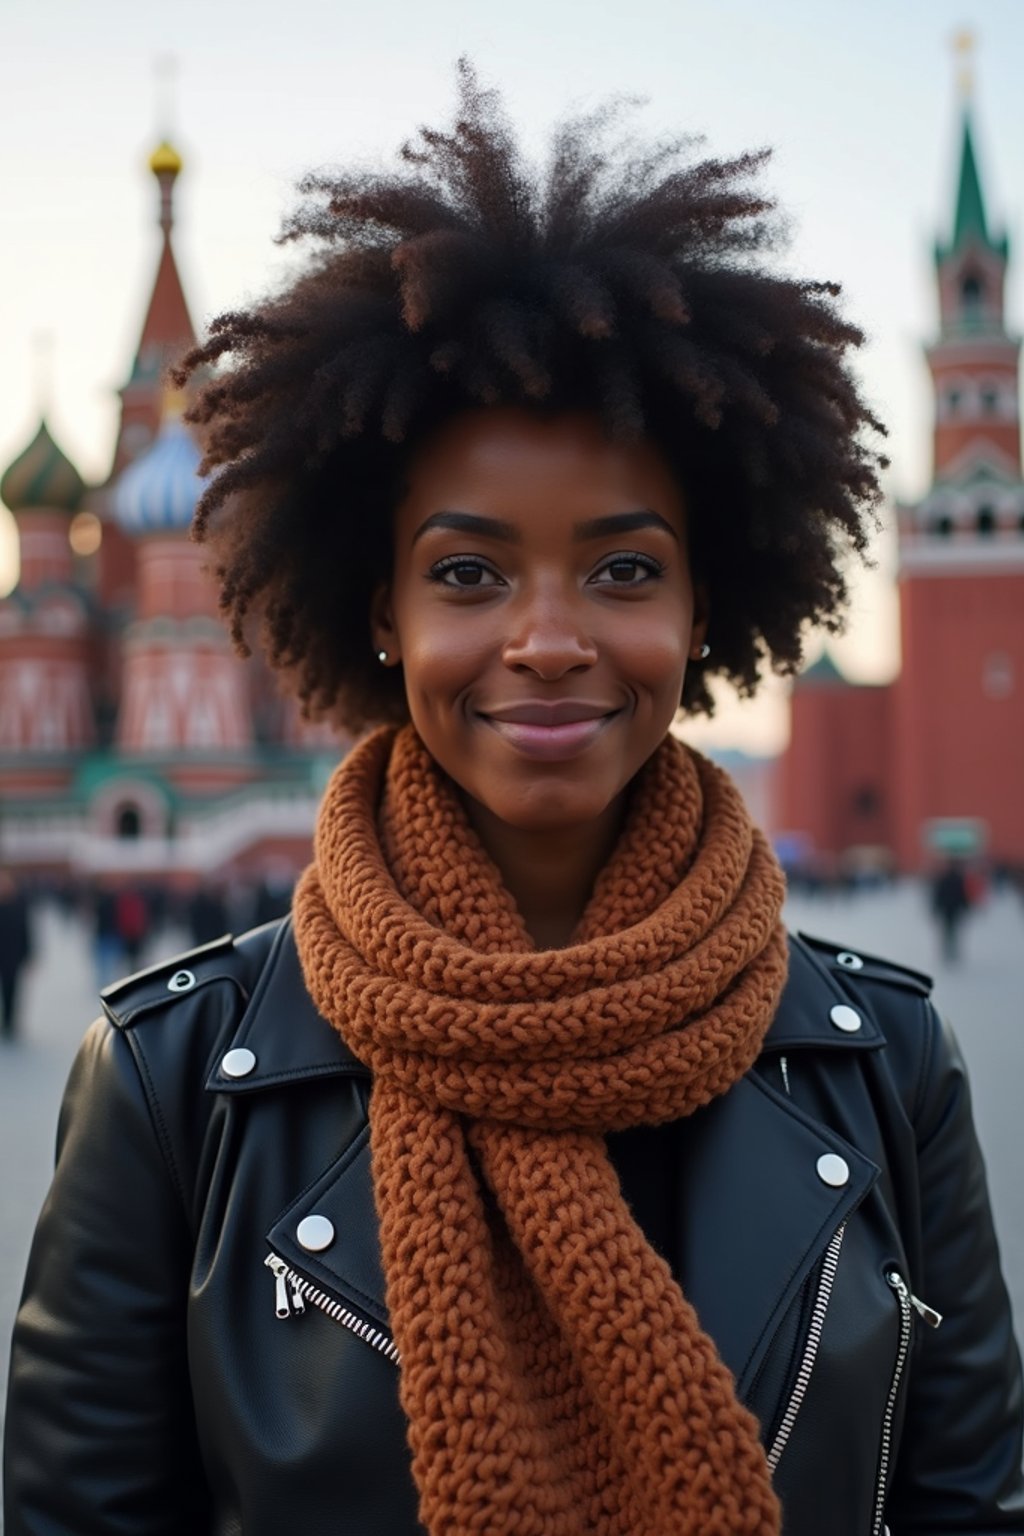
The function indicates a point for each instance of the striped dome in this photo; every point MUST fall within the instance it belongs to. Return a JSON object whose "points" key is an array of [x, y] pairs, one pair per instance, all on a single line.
{"points": [[159, 491], [42, 478]]}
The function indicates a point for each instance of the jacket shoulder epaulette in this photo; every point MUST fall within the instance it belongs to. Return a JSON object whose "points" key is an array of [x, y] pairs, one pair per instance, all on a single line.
{"points": [[126, 1001], [859, 965]]}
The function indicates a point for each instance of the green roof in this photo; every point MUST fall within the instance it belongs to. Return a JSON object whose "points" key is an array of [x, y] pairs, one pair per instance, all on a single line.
{"points": [[969, 221], [822, 673], [970, 205]]}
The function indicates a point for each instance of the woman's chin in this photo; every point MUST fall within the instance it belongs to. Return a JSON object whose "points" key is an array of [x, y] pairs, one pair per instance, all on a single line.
{"points": [[551, 810]]}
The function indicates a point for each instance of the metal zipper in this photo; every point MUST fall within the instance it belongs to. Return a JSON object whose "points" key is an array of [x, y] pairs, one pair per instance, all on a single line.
{"points": [[826, 1280], [908, 1301], [302, 1290], [896, 1281]]}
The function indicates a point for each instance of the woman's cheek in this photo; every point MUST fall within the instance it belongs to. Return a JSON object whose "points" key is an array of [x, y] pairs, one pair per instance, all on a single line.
{"points": [[658, 653]]}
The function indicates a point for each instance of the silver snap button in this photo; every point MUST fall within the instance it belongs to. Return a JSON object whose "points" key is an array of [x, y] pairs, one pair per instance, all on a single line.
{"points": [[851, 961], [238, 1063], [181, 981], [833, 1170], [315, 1233], [845, 1018]]}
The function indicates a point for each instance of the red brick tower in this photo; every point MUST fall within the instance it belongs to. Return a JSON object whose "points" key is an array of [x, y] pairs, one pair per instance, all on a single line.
{"points": [[958, 719]]}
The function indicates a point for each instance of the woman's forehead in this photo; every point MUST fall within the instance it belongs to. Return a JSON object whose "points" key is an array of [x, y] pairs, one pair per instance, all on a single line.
{"points": [[510, 460]]}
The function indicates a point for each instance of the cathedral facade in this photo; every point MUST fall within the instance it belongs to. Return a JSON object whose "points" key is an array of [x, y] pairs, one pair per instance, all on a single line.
{"points": [[133, 741]]}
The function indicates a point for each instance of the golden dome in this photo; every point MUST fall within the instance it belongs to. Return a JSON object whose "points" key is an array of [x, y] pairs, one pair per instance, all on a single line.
{"points": [[165, 160]]}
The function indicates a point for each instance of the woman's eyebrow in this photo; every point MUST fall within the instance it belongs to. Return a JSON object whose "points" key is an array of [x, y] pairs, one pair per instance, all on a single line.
{"points": [[593, 528], [470, 522], [622, 522]]}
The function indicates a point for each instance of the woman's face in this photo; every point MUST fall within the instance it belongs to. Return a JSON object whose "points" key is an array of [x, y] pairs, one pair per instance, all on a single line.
{"points": [[542, 608]]}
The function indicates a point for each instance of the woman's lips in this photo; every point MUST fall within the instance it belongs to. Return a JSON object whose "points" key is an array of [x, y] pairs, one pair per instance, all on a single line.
{"points": [[550, 743]]}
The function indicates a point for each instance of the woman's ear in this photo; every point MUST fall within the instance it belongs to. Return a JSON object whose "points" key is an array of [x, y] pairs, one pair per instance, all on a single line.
{"points": [[701, 618], [383, 633]]}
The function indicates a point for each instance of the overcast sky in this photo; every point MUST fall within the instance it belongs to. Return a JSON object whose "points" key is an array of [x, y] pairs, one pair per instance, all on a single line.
{"points": [[858, 101]]}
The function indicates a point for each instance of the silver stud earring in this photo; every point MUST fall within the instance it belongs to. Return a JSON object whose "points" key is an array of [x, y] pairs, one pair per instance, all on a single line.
{"points": [[382, 657], [702, 653]]}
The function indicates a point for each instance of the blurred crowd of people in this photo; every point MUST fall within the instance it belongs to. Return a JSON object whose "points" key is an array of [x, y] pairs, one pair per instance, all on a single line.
{"points": [[15, 948], [955, 887], [126, 918]]}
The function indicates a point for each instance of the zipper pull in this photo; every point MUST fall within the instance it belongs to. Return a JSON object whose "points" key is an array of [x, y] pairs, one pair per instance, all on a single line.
{"points": [[929, 1314], [298, 1305], [924, 1311], [280, 1269]]}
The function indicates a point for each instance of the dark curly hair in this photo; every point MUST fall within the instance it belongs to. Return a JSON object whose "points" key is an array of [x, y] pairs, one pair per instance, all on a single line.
{"points": [[628, 282]]}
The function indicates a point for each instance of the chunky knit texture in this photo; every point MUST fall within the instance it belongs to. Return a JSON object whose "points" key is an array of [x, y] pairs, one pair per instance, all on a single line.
{"points": [[555, 1379]]}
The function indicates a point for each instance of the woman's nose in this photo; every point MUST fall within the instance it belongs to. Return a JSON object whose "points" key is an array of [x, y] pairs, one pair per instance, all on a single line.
{"points": [[548, 637]]}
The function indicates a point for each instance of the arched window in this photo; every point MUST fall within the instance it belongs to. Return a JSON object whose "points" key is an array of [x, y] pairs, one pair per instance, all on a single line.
{"points": [[972, 292], [954, 400], [986, 520], [989, 400], [943, 526], [129, 822]]}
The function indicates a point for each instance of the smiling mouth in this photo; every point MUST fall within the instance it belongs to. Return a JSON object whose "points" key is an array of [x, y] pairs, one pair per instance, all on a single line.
{"points": [[550, 733]]}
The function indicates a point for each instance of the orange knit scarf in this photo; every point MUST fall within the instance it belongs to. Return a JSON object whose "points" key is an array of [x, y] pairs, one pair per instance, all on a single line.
{"points": [[555, 1379]]}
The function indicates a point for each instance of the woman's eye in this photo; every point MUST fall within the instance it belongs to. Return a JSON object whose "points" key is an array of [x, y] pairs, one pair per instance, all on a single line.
{"points": [[458, 571], [629, 570]]}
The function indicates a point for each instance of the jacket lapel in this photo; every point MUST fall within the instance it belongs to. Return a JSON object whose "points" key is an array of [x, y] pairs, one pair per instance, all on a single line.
{"points": [[351, 1266], [754, 1216]]}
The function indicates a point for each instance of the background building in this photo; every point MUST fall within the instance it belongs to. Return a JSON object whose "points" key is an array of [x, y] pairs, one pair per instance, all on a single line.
{"points": [[132, 740], [934, 762]]}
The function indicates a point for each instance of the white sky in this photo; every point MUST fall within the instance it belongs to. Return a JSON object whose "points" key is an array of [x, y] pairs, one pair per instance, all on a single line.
{"points": [[858, 101]]}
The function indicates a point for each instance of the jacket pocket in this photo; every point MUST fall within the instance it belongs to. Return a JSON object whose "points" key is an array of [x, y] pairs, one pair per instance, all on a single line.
{"points": [[292, 1291], [908, 1304], [819, 1286]]}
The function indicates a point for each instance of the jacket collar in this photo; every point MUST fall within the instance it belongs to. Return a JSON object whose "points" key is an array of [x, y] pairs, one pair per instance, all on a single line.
{"points": [[805, 1014], [281, 1027], [291, 1041]]}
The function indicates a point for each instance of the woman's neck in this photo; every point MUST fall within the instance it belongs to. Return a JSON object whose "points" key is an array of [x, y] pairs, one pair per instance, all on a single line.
{"points": [[549, 874]]}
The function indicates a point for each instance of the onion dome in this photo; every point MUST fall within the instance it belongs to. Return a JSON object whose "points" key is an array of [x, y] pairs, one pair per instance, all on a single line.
{"points": [[159, 492], [42, 477], [165, 160]]}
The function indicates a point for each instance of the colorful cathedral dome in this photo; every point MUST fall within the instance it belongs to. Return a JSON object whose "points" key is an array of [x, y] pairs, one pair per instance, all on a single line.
{"points": [[42, 477], [158, 493]]}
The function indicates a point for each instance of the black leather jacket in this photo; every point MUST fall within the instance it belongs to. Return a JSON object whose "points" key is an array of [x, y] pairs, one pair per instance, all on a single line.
{"points": [[165, 1380]]}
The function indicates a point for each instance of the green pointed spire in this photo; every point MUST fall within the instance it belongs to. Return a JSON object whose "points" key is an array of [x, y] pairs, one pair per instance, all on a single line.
{"points": [[969, 221], [822, 673], [970, 205]]}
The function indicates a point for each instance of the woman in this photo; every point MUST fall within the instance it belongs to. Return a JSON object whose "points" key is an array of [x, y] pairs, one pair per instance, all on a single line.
{"points": [[528, 1179]]}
